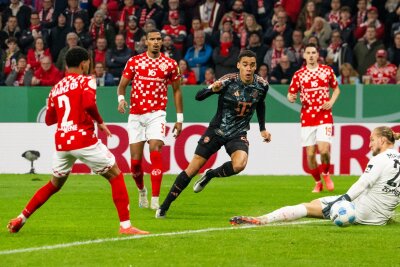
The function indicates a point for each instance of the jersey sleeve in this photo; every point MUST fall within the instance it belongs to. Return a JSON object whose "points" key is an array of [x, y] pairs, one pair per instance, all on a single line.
{"points": [[332, 79], [51, 114], [129, 70], [294, 86], [175, 72], [373, 171]]}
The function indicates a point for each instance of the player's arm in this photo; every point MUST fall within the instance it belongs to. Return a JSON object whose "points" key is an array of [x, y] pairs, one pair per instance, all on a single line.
{"points": [[293, 89], [51, 114], [331, 102], [121, 90], [260, 110], [214, 88], [176, 86], [90, 106]]}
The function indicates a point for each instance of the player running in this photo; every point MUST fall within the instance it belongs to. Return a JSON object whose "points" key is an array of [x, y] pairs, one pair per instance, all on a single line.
{"points": [[150, 72], [313, 81], [72, 105], [375, 195], [240, 95]]}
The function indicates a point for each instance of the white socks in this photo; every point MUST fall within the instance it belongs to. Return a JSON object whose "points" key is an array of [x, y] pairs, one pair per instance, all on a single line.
{"points": [[125, 224], [288, 213]]}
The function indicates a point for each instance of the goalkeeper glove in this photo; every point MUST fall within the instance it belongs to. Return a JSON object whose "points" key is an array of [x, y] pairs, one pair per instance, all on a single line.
{"points": [[328, 207]]}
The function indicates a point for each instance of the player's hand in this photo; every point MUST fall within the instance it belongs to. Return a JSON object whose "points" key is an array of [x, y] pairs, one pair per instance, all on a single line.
{"points": [[216, 86], [105, 129], [327, 105], [121, 106], [291, 97], [177, 129], [327, 210], [266, 136]]}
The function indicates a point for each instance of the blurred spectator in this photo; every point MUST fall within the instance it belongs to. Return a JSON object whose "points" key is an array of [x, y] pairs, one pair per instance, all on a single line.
{"points": [[321, 29], [47, 74], [372, 20], [110, 5], [108, 19], [238, 16], [36, 53], [292, 9], [196, 26], [141, 46], [21, 11], [261, 9], [175, 30], [365, 50], [11, 55], [227, 26], [307, 16], [392, 24], [149, 25], [34, 31], [281, 27], [338, 52], [73, 10], [347, 75], [382, 72], [198, 56], [274, 16], [132, 33], [263, 71], [99, 28], [10, 30], [103, 78], [398, 76], [210, 13], [276, 52], [169, 50], [225, 56], [361, 15], [58, 36], [174, 7], [333, 16], [209, 77], [72, 41], [117, 56], [394, 50], [85, 40], [46, 15], [251, 25], [283, 72], [255, 45], [188, 77], [345, 26], [99, 53], [20, 75], [127, 11], [150, 10], [297, 47]]}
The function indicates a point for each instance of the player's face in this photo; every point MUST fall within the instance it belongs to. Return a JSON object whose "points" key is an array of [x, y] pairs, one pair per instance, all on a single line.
{"points": [[311, 55], [375, 143], [247, 66], [154, 42]]}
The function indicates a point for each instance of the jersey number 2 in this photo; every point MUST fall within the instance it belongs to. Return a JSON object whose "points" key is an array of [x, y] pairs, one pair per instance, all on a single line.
{"points": [[63, 101], [391, 182]]}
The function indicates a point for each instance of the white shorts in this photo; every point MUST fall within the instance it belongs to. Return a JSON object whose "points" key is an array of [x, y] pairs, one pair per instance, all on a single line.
{"points": [[97, 157], [149, 126], [310, 135]]}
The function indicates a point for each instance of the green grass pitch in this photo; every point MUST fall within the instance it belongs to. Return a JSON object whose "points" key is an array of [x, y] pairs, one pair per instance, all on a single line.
{"points": [[78, 226]]}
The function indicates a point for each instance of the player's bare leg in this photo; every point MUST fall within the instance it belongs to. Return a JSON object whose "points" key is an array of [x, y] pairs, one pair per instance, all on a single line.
{"points": [[229, 168], [156, 171], [38, 199], [181, 182], [311, 152], [324, 150], [121, 201], [136, 150]]}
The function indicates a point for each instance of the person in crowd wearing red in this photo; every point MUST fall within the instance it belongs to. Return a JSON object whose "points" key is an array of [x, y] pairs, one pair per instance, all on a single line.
{"points": [[382, 72], [36, 53], [47, 74]]}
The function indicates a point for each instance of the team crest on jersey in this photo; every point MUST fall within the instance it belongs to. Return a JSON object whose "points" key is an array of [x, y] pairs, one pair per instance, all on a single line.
{"points": [[163, 66], [368, 169], [206, 139], [254, 94], [322, 76]]}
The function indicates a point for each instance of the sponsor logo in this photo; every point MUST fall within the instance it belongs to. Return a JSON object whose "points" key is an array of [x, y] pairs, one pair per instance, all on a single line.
{"points": [[368, 169], [156, 172], [152, 72], [388, 190], [314, 83]]}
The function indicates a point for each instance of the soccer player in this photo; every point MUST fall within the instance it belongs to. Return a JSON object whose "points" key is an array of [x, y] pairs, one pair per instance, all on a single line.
{"points": [[72, 106], [375, 195], [150, 72], [313, 81], [240, 95]]}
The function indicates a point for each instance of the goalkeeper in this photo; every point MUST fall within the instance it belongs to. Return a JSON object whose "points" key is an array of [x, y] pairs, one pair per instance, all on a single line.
{"points": [[375, 195], [240, 96]]}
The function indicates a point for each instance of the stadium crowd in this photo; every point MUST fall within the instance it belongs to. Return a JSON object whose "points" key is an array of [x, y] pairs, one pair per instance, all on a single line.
{"points": [[359, 39]]}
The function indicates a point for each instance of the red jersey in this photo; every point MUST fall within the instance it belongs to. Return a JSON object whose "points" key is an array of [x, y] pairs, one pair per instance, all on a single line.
{"points": [[314, 91], [150, 81], [72, 105], [382, 75]]}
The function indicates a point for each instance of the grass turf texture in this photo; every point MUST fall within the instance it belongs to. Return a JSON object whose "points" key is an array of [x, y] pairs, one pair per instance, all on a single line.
{"points": [[83, 211]]}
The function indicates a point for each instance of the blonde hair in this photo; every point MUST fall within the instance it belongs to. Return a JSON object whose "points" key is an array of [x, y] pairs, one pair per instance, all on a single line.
{"points": [[348, 66], [384, 131]]}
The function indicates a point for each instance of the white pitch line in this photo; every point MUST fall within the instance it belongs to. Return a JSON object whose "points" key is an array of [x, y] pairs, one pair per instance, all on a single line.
{"points": [[105, 240]]}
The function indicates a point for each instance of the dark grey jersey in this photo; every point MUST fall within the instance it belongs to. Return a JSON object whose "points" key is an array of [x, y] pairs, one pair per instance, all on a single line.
{"points": [[237, 103]]}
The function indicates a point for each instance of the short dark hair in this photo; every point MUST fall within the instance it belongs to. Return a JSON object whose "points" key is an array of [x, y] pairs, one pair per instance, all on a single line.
{"points": [[246, 53], [311, 45], [75, 56], [153, 30]]}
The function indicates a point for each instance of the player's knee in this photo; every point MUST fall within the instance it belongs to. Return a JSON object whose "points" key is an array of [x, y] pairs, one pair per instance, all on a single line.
{"points": [[238, 166]]}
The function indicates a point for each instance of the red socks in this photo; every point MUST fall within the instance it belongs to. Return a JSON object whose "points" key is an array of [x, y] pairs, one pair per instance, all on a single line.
{"points": [[156, 172], [315, 174], [120, 197], [137, 173], [324, 168], [40, 197]]}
